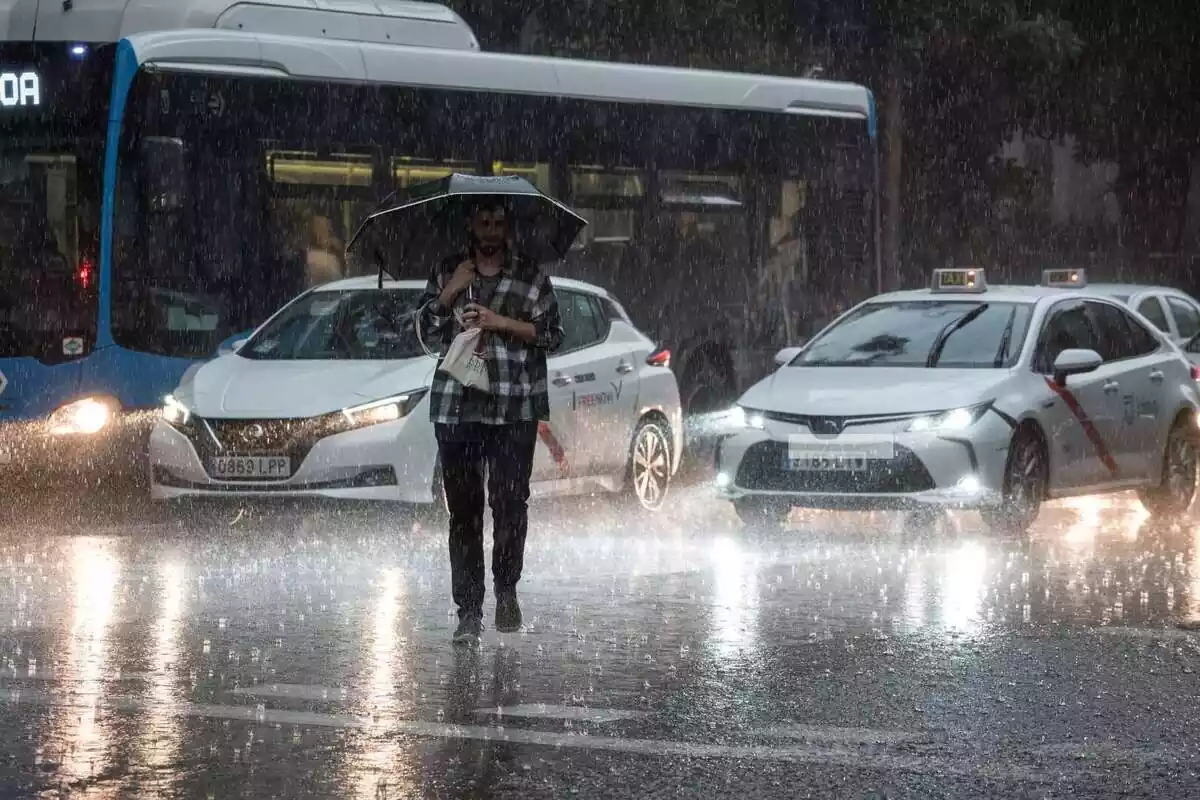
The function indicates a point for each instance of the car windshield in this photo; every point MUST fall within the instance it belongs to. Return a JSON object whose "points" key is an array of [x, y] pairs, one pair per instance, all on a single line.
{"points": [[973, 334], [357, 325]]}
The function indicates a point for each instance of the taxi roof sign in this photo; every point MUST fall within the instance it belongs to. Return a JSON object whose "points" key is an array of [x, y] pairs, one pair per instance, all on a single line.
{"points": [[964, 280], [1064, 278]]}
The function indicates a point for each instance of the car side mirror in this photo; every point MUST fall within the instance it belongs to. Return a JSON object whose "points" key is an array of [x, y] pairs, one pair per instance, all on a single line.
{"points": [[233, 344], [785, 355], [1075, 361]]}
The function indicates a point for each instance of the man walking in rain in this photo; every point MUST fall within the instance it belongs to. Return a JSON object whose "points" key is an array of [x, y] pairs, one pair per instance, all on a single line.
{"points": [[511, 300]]}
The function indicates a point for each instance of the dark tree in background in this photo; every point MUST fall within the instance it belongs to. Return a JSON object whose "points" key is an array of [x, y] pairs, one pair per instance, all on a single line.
{"points": [[959, 78], [955, 80], [1136, 103]]}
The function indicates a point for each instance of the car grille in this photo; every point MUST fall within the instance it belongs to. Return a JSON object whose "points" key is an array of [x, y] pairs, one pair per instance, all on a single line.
{"points": [[256, 437], [832, 426], [294, 438], [762, 469]]}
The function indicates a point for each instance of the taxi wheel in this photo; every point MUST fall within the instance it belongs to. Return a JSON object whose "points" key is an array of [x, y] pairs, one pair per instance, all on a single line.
{"points": [[650, 465], [1025, 479], [1173, 497]]}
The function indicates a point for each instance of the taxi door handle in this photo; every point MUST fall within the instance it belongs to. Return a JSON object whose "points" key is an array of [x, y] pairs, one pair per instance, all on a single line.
{"points": [[1111, 387], [562, 380], [1157, 376]]}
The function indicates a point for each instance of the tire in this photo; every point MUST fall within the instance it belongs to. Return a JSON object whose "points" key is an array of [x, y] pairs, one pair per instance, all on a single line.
{"points": [[1026, 476], [702, 391], [762, 514], [649, 471], [1172, 498]]}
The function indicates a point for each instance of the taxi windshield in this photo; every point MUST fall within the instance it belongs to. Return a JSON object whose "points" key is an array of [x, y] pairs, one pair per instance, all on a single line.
{"points": [[952, 334], [349, 325]]}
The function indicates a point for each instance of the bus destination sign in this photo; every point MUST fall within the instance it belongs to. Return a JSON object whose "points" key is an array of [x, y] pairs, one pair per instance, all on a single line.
{"points": [[20, 89]]}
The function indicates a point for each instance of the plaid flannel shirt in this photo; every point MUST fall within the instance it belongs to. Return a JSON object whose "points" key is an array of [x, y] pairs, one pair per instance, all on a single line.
{"points": [[516, 370]]}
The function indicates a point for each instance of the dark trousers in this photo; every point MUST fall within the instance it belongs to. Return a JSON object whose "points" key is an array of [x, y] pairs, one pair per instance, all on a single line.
{"points": [[505, 452]]}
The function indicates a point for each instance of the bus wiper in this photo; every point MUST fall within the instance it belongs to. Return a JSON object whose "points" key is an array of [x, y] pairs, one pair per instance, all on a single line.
{"points": [[1005, 338], [939, 344]]}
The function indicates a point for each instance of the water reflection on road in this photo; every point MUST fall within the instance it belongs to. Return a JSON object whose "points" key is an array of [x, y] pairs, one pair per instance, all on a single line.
{"points": [[130, 651]]}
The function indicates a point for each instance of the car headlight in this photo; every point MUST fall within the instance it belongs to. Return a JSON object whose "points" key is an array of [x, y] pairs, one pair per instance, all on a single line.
{"points": [[741, 418], [175, 413], [389, 409], [955, 419], [84, 417]]}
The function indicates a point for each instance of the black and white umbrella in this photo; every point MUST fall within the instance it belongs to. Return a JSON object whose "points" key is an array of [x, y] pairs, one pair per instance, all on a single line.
{"points": [[416, 227]]}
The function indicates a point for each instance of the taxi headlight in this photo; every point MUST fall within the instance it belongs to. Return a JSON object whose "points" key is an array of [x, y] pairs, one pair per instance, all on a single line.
{"points": [[175, 413], [741, 418], [83, 417], [955, 419], [389, 409]]}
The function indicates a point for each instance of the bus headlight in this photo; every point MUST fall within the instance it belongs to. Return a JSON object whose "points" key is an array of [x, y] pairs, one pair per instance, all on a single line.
{"points": [[83, 417]]}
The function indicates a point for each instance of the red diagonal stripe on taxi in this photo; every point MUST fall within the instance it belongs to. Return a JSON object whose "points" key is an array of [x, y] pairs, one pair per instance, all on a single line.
{"points": [[552, 444], [1089, 427]]}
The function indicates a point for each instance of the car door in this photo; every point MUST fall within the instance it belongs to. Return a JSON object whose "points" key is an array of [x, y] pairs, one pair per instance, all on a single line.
{"points": [[1074, 416], [620, 357], [1151, 307], [576, 378], [1186, 317], [559, 447], [1192, 350], [1134, 362]]}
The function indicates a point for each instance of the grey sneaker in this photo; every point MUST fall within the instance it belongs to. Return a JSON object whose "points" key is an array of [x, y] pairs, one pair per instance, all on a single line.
{"points": [[469, 630], [508, 612]]}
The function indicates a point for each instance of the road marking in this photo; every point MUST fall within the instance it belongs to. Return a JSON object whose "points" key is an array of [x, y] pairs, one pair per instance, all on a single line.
{"points": [[1145, 633], [1089, 427], [826, 733], [1108, 752], [575, 713], [296, 691], [841, 755]]}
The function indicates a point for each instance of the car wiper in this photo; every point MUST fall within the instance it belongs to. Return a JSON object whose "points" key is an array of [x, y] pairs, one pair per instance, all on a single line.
{"points": [[939, 344], [1005, 339]]}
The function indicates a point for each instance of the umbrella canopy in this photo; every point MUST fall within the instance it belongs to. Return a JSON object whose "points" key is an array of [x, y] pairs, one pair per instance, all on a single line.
{"points": [[416, 227]]}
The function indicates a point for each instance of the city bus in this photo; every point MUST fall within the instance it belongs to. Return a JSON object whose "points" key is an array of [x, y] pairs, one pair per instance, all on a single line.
{"points": [[171, 175]]}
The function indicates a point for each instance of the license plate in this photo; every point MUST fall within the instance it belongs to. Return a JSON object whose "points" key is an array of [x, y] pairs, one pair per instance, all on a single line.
{"points": [[263, 467], [842, 462]]}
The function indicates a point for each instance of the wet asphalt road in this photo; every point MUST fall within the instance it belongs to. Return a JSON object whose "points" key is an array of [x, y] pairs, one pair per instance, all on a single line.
{"points": [[304, 652]]}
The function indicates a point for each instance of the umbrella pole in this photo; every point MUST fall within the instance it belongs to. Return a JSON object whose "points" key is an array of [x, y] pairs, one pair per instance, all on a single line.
{"points": [[381, 276]]}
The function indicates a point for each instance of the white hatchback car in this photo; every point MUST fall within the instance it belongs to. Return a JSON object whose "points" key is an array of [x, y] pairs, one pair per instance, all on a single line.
{"points": [[969, 396], [328, 398]]}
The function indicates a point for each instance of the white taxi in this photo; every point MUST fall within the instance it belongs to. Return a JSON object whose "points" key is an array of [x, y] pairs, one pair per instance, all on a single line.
{"points": [[329, 398], [970, 396]]}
